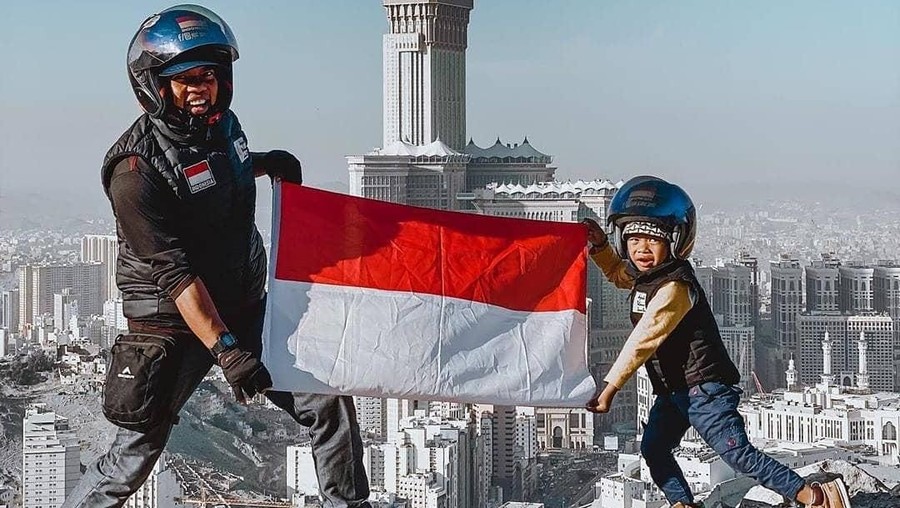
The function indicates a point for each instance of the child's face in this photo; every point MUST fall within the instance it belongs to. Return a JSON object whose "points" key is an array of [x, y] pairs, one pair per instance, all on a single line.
{"points": [[646, 251]]}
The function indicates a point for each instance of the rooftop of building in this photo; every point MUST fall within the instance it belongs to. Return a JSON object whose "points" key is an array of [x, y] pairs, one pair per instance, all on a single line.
{"points": [[468, 4], [844, 400], [509, 152], [436, 148], [577, 188], [697, 451]]}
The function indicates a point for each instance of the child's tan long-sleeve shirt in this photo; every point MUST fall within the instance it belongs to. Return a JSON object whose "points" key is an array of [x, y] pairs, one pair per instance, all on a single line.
{"points": [[664, 311]]}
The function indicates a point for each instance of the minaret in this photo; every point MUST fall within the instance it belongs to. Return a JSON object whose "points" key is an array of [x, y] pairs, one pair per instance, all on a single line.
{"points": [[791, 374], [425, 71], [862, 379], [827, 378]]}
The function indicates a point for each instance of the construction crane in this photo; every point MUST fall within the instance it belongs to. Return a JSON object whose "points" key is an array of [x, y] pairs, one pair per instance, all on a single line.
{"points": [[218, 500], [759, 387]]}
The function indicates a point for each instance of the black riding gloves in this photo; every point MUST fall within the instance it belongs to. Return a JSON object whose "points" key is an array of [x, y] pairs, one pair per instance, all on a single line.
{"points": [[282, 164], [246, 375]]}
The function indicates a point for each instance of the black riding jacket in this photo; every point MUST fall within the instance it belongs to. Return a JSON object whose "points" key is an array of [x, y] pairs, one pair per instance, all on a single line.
{"points": [[184, 209]]}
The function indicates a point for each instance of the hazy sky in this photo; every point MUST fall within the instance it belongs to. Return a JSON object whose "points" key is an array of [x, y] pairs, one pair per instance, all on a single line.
{"points": [[696, 91]]}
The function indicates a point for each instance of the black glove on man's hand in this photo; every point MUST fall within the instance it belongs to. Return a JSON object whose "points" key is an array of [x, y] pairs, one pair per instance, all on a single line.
{"points": [[282, 164], [246, 375]]}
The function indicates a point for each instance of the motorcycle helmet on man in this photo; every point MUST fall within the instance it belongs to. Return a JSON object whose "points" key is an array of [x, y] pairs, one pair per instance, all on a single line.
{"points": [[173, 41], [658, 205]]}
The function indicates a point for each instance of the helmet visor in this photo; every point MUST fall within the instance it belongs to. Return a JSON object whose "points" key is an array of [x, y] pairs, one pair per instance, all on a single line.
{"points": [[174, 32]]}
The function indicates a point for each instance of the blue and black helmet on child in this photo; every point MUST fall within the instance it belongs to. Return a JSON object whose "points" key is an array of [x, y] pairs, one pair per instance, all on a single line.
{"points": [[653, 200]]}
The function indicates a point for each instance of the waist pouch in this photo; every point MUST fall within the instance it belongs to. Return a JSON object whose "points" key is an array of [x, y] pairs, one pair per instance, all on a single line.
{"points": [[139, 378]]}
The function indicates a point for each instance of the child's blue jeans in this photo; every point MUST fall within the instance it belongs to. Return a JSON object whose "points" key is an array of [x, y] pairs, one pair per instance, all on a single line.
{"points": [[711, 408]]}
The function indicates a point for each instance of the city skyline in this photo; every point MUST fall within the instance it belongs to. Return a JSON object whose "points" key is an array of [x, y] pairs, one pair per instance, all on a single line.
{"points": [[688, 90], [751, 94]]}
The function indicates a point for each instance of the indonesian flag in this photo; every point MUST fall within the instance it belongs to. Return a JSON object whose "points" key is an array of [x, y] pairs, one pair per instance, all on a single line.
{"points": [[384, 300], [188, 22]]}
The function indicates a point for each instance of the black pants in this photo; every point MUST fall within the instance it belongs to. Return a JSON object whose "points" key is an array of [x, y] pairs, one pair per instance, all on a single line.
{"points": [[331, 421]]}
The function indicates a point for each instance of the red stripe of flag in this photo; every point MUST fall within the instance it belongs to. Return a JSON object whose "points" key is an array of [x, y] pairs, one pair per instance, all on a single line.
{"points": [[517, 264], [194, 169]]}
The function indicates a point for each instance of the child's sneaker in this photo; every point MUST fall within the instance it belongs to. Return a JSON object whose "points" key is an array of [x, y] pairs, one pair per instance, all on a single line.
{"points": [[834, 494]]}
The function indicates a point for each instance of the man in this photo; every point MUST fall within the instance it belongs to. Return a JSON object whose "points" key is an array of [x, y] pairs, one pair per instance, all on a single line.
{"points": [[192, 266]]}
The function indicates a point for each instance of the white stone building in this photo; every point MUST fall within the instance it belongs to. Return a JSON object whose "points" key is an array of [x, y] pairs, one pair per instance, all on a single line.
{"points": [[105, 249], [160, 490], [300, 472], [843, 331], [428, 455], [846, 416], [424, 159], [51, 458]]}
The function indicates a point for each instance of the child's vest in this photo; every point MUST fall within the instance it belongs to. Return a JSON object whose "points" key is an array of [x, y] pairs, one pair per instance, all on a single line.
{"points": [[693, 353]]}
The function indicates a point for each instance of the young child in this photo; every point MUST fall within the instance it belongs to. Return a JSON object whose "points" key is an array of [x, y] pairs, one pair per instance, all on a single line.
{"points": [[675, 335]]}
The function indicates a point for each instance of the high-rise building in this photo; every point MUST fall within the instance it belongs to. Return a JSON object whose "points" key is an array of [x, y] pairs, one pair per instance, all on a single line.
{"points": [[424, 159], [823, 285], [787, 303], [878, 334], [51, 458], [843, 334], [424, 63], [856, 288], [26, 312], [526, 437], [886, 280], [114, 322], [38, 284], [9, 310], [395, 411], [160, 489], [886, 289], [4, 342], [103, 249], [422, 490], [484, 450], [448, 410], [301, 472], [374, 462], [428, 445], [751, 263], [442, 449], [504, 447], [65, 307], [739, 341], [729, 289], [371, 413]]}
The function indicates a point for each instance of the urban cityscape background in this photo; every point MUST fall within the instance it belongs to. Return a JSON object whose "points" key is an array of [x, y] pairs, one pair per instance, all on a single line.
{"points": [[802, 273]]}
